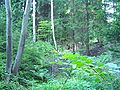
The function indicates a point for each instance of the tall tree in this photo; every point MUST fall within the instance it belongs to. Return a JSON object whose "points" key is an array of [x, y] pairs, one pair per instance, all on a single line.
{"points": [[34, 27], [8, 38], [73, 31], [22, 37], [52, 25], [87, 27]]}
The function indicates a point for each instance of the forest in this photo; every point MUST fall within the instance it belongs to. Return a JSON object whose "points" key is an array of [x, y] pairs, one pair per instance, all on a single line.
{"points": [[59, 44]]}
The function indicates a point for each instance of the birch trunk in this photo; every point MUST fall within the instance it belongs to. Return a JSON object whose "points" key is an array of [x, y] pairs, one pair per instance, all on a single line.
{"points": [[52, 25], [34, 29], [8, 38], [22, 37]]}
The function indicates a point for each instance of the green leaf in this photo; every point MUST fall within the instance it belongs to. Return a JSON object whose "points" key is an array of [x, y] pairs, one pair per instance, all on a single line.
{"points": [[91, 74], [89, 61], [86, 59], [53, 62], [60, 63], [78, 63], [98, 79], [69, 56], [98, 70], [88, 70], [100, 64]]}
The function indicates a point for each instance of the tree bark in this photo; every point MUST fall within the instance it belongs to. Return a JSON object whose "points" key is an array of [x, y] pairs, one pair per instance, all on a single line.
{"points": [[87, 29], [22, 37], [52, 25], [73, 21], [34, 28], [8, 38]]}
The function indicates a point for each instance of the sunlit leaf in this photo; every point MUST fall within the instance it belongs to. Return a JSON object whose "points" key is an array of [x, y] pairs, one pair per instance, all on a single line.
{"points": [[78, 64]]}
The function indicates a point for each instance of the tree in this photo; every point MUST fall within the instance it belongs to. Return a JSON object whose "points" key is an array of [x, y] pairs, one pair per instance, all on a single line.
{"points": [[87, 27], [34, 28], [22, 37], [73, 29], [52, 25], [8, 38]]}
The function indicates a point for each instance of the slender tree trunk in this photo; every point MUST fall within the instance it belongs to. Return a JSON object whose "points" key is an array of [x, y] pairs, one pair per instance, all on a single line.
{"points": [[8, 38], [34, 27], [73, 36], [87, 29], [37, 21], [73, 31], [52, 25], [22, 37]]}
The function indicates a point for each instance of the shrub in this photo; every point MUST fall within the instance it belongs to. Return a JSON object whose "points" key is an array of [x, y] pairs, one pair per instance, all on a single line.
{"points": [[84, 69], [35, 61], [2, 65], [11, 86]]}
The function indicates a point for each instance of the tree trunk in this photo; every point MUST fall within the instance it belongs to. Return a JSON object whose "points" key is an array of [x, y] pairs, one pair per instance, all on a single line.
{"points": [[22, 37], [52, 25], [73, 31], [73, 46], [8, 38], [34, 28], [87, 29]]}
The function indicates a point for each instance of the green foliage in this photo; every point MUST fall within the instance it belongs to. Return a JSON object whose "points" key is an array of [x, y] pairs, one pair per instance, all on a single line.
{"points": [[2, 65], [76, 72], [11, 86], [72, 84], [84, 69], [116, 83], [2, 29], [38, 52], [105, 58], [114, 33], [44, 30], [85, 64], [35, 60]]}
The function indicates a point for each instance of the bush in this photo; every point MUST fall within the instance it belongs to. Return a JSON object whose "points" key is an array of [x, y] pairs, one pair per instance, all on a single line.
{"points": [[35, 61], [86, 74], [11, 86], [2, 65], [116, 84]]}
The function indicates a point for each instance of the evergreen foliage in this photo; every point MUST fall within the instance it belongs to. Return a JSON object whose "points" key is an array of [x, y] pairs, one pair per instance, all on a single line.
{"points": [[87, 34]]}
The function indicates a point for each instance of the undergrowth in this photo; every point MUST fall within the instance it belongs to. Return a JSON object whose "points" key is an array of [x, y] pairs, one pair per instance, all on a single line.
{"points": [[75, 72]]}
